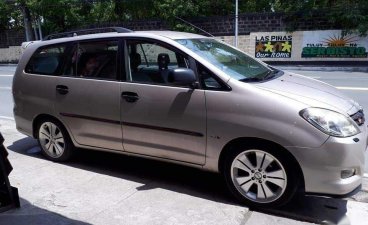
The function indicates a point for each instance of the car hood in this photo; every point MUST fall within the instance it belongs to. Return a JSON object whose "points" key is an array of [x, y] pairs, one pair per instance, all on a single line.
{"points": [[311, 92]]}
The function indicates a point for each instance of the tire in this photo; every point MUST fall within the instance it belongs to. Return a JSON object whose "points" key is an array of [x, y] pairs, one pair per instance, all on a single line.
{"points": [[260, 176], [54, 140]]}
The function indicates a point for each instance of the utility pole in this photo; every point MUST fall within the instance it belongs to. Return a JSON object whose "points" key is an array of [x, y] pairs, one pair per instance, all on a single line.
{"points": [[39, 28], [236, 23]]}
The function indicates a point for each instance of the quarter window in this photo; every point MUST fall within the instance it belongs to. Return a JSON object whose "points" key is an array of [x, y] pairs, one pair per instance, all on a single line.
{"points": [[208, 79], [46, 60]]}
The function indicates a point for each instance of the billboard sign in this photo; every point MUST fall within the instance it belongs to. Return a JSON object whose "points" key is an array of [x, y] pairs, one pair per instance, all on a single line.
{"points": [[333, 44], [273, 46]]}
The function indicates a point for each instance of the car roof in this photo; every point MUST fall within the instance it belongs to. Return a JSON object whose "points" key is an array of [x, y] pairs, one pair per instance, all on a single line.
{"points": [[172, 34]]}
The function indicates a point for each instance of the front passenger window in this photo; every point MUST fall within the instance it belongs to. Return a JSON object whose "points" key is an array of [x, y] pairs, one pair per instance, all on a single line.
{"points": [[151, 62]]}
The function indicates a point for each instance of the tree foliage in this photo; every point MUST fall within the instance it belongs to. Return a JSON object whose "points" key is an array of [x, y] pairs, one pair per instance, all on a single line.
{"points": [[350, 15], [61, 15]]}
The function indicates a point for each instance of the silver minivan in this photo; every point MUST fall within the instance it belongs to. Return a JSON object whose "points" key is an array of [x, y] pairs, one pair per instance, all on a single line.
{"points": [[192, 100]]}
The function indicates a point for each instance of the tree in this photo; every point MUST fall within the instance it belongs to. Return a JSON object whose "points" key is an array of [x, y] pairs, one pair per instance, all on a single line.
{"points": [[4, 16], [350, 15], [62, 15]]}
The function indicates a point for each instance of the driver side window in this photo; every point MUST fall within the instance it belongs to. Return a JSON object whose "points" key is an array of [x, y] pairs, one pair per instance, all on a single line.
{"points": [[152, 63]]}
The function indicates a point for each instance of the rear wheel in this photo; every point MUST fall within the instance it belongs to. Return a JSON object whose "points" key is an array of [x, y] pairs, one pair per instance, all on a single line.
{"points": [[54, 141], [260, 176]]}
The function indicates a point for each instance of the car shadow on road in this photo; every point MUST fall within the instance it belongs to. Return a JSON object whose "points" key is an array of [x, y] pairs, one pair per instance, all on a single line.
{"points": [[155, 174], [313, 209], [32, 215]]}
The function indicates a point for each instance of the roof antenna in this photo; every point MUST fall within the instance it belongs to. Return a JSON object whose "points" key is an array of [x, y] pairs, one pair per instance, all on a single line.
{"points": [[193, 26]]}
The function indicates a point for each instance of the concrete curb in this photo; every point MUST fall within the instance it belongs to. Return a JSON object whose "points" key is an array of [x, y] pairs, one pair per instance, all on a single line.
{"points": [[8, 64], [7, 118], [324, 68]]}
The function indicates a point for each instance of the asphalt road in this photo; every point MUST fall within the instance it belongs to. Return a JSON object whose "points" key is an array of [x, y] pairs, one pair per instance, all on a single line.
{"points": [[140, 191], [353, 84], [6, 100]]}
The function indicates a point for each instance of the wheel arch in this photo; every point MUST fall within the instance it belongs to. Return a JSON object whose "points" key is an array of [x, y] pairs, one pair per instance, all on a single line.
{"points": [[251, 141]]}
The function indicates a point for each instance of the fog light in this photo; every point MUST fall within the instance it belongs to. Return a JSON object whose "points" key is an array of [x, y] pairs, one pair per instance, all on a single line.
{"points": [[347, 173]]}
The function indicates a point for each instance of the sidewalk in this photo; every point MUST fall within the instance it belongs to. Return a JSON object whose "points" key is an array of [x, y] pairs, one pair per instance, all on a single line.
{"points": [[323, 68], [349, 66], [105, 188]]}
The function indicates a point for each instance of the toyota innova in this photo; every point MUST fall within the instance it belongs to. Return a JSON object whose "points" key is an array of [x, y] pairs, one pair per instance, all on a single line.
{"points": [[192, 100]]}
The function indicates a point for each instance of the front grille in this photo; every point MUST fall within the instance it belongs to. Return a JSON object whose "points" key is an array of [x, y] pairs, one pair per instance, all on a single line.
{"points": [[358, 117]]}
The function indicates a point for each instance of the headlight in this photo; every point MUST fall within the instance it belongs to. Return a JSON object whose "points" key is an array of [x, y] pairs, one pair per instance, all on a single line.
{"points": [[330, 122]]}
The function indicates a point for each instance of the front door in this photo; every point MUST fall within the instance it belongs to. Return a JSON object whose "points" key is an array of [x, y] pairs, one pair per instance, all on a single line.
{"points": [[159, 118], [88, 94]]}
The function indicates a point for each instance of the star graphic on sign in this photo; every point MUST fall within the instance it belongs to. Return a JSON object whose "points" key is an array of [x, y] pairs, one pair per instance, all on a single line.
{"points": [[269, 47], [259, 47], [286, 47]]}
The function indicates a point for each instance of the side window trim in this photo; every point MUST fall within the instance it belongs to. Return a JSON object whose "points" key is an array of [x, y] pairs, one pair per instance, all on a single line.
{"points": [[67, 53], [120, 65]]}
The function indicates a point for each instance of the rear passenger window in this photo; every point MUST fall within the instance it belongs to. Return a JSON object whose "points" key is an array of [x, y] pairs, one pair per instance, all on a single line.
{"points": [[97, 59], [46, 60]]}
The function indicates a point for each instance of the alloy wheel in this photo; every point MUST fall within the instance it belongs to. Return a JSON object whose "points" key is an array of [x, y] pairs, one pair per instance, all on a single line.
{"points": [[258, 176], [51, 139]]}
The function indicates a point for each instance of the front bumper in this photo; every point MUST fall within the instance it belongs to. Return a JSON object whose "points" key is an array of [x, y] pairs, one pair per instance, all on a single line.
{"points": [[322, 166]]}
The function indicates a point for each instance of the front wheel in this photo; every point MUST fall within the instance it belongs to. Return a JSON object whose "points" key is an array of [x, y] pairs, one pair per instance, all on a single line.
{"points": [[260, 177], [54, 141]]}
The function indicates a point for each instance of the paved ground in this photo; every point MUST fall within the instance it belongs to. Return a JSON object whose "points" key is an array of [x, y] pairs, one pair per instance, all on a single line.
{"points": [[353, 84], [6, 99], [104, 188]]}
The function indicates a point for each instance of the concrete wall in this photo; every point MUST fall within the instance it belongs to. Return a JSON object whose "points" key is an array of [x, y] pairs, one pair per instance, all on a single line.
{"points": [[319, 41], [10, 41], [10, 54], [256, 32]]}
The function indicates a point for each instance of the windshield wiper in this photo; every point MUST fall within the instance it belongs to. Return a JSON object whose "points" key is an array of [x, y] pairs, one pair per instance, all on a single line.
{"points": [[270, 74], [251, 79]]}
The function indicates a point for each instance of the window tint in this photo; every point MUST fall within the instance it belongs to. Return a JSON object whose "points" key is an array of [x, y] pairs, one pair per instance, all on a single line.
{"points": [[151, 62], [46, 60], [208, 80], [95, 59]]}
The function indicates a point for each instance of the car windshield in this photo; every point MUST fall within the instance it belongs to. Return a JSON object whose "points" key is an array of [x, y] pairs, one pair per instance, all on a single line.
{"points": [[233, 62]]}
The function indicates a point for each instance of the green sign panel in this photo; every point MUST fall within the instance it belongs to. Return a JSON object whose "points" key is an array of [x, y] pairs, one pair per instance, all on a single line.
{"points": [[334, 52], [333, 44]]}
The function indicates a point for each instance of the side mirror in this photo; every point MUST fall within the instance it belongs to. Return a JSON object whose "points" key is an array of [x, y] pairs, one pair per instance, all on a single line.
{"points": [[183, 77]]}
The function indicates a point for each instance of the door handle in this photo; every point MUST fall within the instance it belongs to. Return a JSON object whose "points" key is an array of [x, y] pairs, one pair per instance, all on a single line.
{"points": [[62, 89], [130, 96]]}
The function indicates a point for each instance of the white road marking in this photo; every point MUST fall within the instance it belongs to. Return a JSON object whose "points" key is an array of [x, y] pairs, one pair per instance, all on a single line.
{"points": [[6, 118], [5, 88], [6, 75], [315, 77], [353, 88]]}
